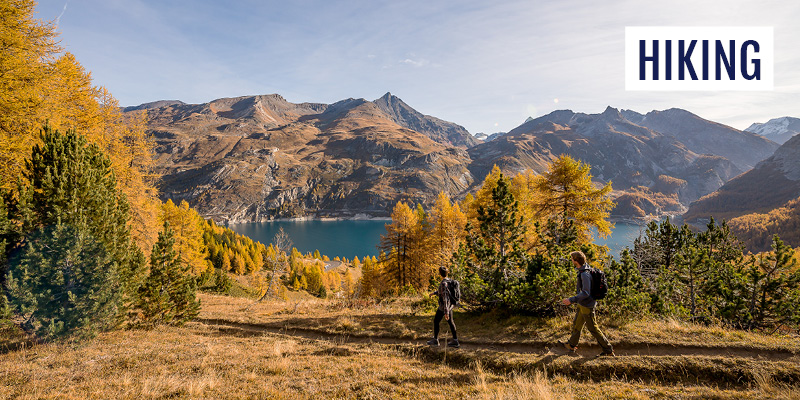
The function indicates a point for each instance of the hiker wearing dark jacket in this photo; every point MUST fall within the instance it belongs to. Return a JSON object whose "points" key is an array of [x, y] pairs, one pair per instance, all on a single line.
{"points": [[585, 314], [445, 311]]}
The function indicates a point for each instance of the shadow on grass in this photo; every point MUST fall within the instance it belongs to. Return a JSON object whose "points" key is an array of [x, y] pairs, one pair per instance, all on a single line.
{"points": [[8, 346], [461, 378]]}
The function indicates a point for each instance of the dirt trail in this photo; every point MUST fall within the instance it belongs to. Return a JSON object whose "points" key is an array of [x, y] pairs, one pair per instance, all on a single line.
{"points": [[621, 349]]}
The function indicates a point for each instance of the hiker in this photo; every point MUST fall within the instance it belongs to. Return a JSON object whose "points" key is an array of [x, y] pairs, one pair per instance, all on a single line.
{"points": [[586, 304], [449, 294]]}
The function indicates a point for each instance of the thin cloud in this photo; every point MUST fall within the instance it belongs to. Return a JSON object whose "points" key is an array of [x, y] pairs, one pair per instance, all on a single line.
{"points": [[415, 63], [58, 19]]}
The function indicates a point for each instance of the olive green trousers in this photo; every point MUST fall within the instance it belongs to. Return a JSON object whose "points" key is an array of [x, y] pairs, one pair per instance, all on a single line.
{"points": [[585, 316]]}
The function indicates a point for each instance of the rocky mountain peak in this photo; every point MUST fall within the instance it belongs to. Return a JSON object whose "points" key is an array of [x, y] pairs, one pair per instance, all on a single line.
{"points": [[611, 112], [443, 132]]}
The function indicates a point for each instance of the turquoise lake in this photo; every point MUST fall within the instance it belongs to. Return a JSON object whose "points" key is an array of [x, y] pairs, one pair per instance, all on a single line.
{"points": [[360, 238]]}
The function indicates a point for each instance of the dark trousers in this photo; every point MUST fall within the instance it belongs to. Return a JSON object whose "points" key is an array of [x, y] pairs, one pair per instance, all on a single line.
{"points": [[585, 316], [438, 319]]}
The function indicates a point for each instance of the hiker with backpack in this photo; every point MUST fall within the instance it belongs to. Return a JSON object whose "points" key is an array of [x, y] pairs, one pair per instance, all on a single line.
{"points": [[591, 286], [449, 293]]}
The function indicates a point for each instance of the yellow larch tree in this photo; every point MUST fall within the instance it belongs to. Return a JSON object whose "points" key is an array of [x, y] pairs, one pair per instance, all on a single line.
{"points": [[482, 197], [407, 248], [189, 244], [41, 85], [565, 192], [523, 188], [447, 229]]}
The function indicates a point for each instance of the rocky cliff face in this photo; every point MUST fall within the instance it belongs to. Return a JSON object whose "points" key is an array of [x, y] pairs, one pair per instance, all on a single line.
{"points": [[261, 157], [771, 184], [254, 158]]}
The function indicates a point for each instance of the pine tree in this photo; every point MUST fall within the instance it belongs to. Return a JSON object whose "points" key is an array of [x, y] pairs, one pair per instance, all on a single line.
{"points": [[168, 294], [719, 243], [70, 183], [222, 283], [627, 295], [496, 245], [63, 283], [773, 286], [492, 255], [693, 268], [659, 247]]}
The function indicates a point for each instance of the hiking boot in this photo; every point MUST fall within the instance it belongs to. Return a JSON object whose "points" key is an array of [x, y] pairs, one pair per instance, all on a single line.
{"points": [[453, 343], [433, 342], [607, 353], [569, 348]]}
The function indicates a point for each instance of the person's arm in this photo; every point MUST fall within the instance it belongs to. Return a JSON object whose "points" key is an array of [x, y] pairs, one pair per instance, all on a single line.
{"points": [[445, 297], [586, 288]]}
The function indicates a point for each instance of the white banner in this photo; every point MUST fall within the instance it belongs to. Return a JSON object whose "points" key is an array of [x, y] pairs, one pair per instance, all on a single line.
{"points": [[673, 58]]}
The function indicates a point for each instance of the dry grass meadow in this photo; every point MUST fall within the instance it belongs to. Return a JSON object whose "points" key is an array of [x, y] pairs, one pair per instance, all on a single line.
{"points": [[329, 349]]}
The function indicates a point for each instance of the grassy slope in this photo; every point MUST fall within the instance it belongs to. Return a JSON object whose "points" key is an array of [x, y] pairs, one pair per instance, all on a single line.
{"points": [[227, 359], [199, 361], [398, 318]]}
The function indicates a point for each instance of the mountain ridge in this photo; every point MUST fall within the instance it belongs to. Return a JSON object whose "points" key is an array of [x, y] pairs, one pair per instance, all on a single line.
{"points": [[252, 158], [771, 184]]}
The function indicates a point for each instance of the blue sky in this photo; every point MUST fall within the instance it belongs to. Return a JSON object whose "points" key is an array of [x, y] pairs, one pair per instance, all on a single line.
{"points": [[485, 65]]}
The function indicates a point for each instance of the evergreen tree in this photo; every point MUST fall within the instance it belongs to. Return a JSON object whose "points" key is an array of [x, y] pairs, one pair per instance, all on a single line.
{"points": [[773, 284], [693, 268], [659, 247], [70, 183], [492, 254], [719, 243], [168, 294], [222, 283], [496, 246], [627, 295], [64, 283]]}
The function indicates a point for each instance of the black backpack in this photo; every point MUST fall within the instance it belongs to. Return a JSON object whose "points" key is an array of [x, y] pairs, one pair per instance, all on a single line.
{"points": [[599, 284], [454, 290]]}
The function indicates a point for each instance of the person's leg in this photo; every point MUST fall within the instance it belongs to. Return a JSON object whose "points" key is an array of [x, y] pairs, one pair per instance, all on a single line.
{"points": [[577, 325], [591, 325], [436, 320], [452, 325]]}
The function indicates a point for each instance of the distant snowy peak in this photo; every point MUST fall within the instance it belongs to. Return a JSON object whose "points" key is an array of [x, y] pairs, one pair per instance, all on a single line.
{"points": [[778, 130], [487, 138]]}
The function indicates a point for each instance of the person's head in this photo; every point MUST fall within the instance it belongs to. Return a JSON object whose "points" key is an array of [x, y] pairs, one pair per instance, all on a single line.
{"points": [[443, 272], [578, 258]]}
